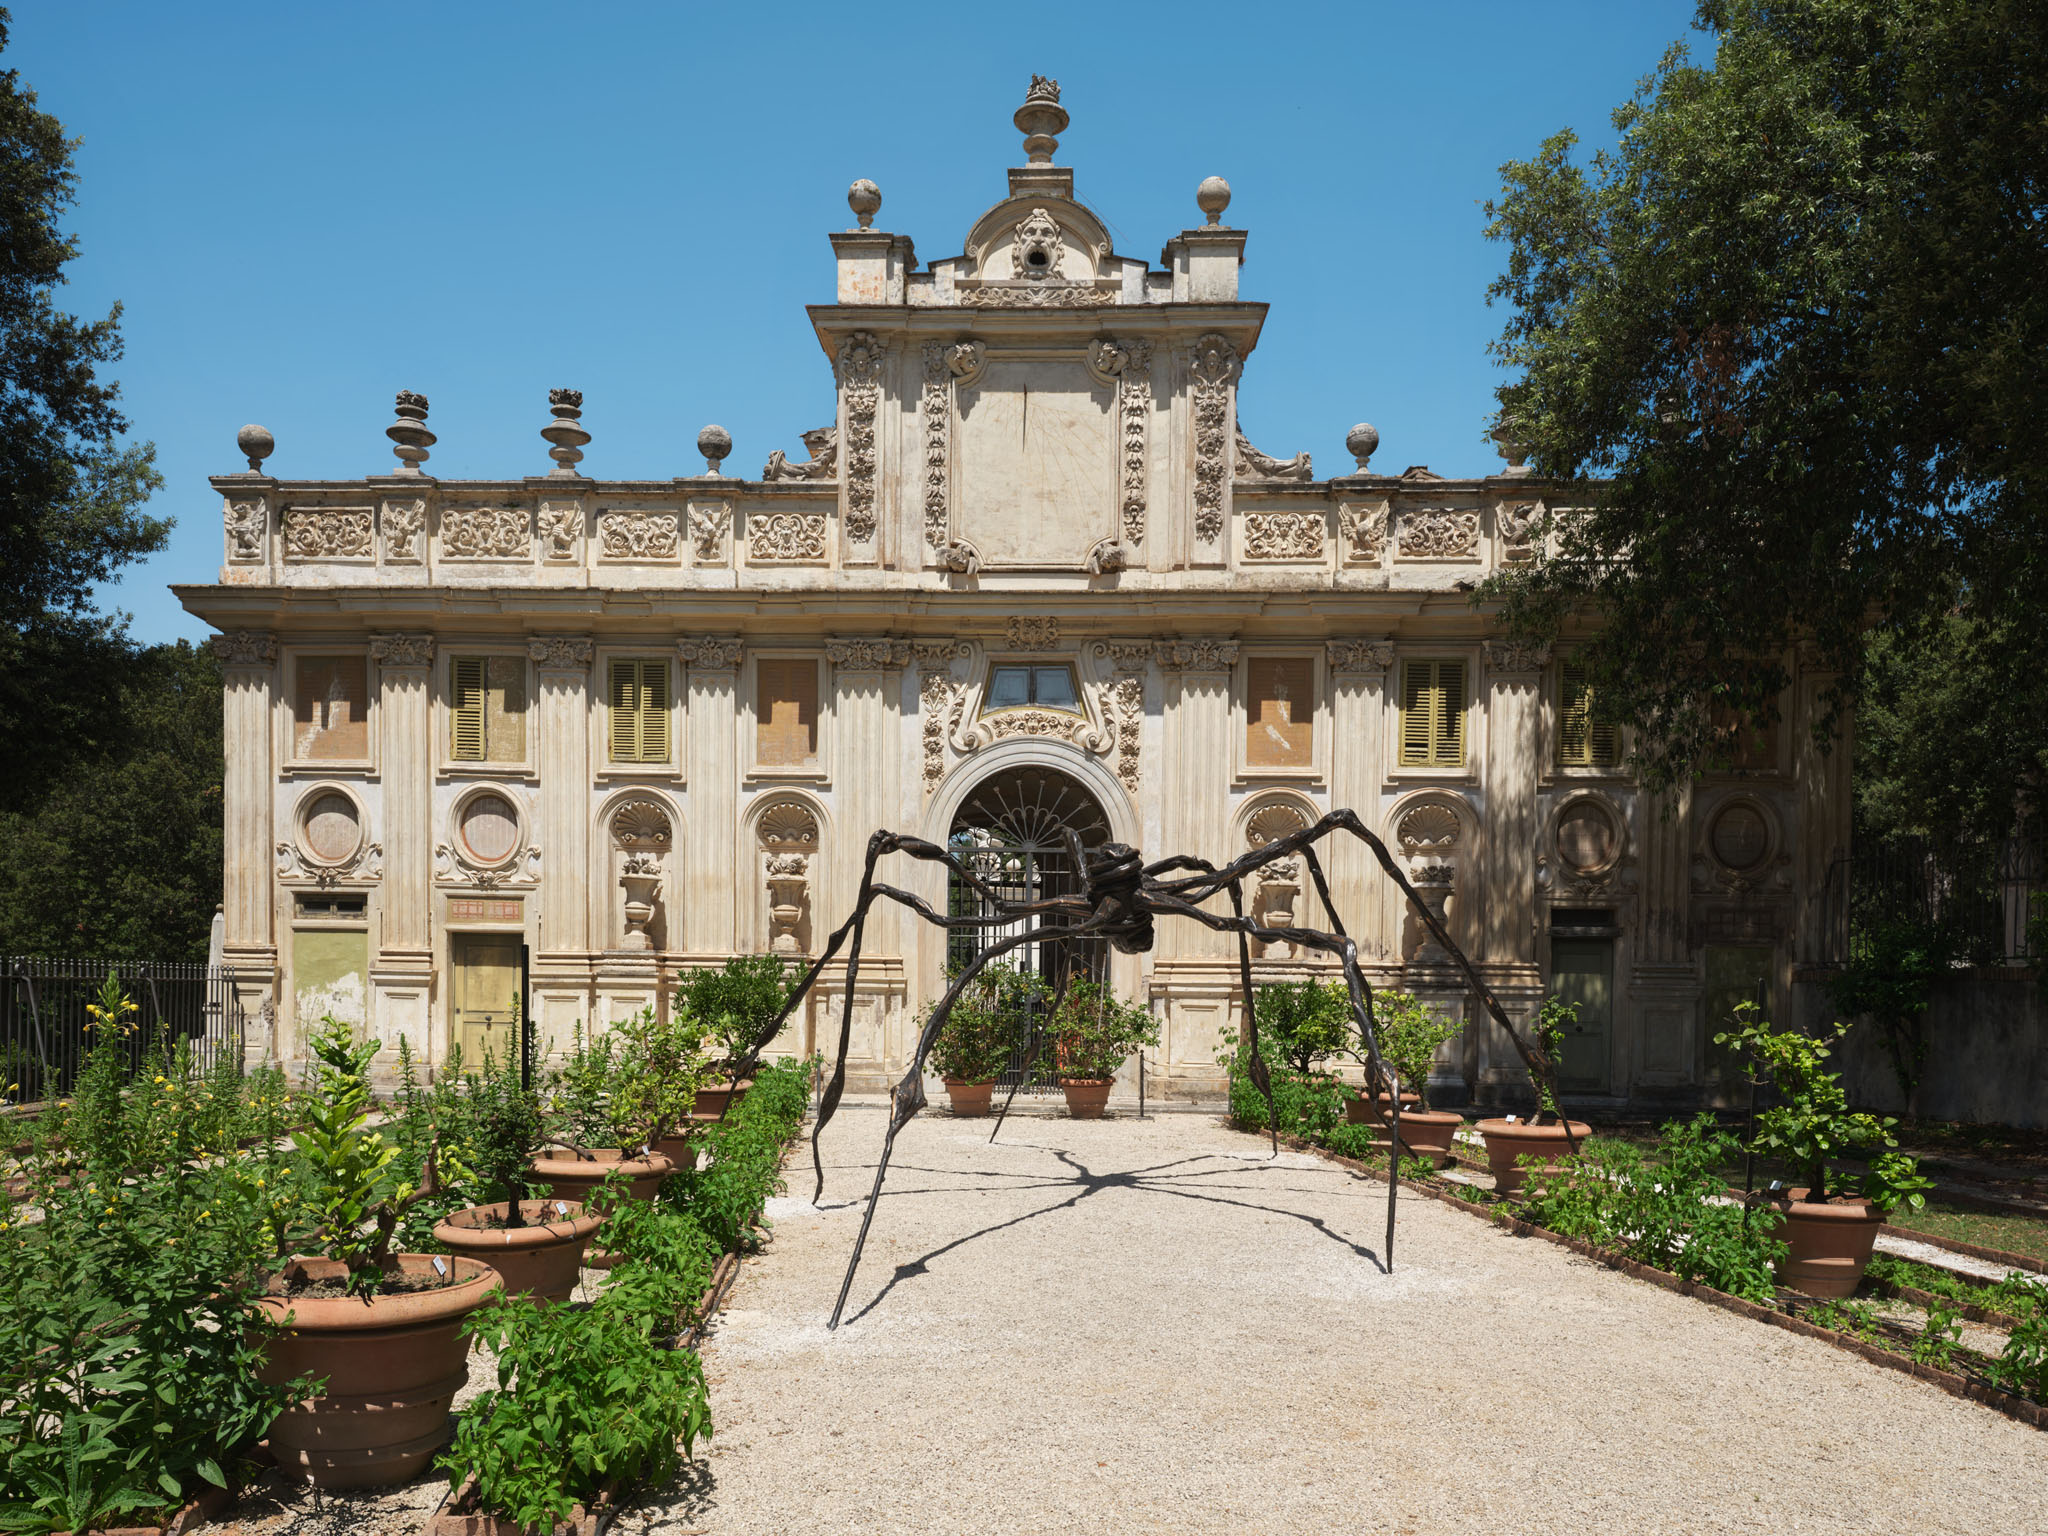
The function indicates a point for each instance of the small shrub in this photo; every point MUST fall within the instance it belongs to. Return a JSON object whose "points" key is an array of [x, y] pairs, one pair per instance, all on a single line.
{"points": [[2022, 1368], [1410, 1032], [989, 1021], [1096, 1033], [1302, 1023], [1940, 1338]]}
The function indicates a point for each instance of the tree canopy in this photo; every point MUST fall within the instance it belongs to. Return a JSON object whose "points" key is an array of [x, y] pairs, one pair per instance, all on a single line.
{"points": [[1783, 344]]}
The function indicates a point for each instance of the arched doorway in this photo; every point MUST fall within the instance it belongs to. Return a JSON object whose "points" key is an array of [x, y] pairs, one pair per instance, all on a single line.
{"points": [[1011, 831]]}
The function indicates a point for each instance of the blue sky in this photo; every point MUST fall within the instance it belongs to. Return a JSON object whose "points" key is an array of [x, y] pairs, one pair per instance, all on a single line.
{"points": [[306, 208]]}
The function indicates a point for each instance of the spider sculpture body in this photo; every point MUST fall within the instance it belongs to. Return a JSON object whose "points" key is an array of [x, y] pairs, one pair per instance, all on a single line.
{"points": [[1121, 898]]}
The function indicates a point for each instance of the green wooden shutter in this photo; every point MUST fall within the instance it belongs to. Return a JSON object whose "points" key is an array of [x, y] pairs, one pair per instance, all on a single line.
{"points": [[505, 709], [1448, 749], [1432, 714], [653, 711], [466, 714], [1416, 678], [622, 697], [1574, 712]]}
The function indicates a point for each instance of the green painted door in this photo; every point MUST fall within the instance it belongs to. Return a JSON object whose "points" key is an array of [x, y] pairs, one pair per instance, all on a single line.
{"points": [[1736, 973], [484, 994], [1582, 972]]}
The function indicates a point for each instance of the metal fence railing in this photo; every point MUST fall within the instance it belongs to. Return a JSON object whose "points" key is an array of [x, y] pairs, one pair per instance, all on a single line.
{"points": [[1982, 903], [43, 1034]]}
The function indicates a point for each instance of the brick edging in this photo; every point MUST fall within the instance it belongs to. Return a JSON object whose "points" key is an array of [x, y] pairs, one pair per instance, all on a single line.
{"points": [[1968, 1250], [2012, 1407]]}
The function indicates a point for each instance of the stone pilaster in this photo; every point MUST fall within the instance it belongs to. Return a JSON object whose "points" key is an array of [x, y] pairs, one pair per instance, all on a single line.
{"points": [[712, 885], [1503, 880], [1358, 757], [561, 961], [401, 974], [1664, 984], [249, 667]]}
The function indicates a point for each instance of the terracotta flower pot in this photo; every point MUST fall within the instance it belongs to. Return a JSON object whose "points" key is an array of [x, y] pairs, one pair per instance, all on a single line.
{"points": [[1509, 1140], [1360, 1110], [1429, 1133], [712, 1097], [969, 1100], [1087, 1097], [392, 1364], [573, 1175], [540, 1259], [1830, 1243]]}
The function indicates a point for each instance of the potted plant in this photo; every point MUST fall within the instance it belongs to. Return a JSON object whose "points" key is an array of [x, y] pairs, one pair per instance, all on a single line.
{"points": [[381, 1329], [1410, 1033], [610, 1107], [535, 1245], [1093, 1034], [1828, 1231], [734, 1003], [981, 1035], [1509, 1139]]}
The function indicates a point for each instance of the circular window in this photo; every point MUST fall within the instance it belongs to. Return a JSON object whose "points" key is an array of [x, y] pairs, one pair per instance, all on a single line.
{"points": [[1740, 837], [490, 829], [331, 828], [1587, 839]]}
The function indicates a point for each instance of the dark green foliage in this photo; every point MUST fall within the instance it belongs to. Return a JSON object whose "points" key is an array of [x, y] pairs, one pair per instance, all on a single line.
{"points": [[990, 1021], [2022, 1367], [1094, 1032], [1410, 1031], [741, 1164], [1303, 1022], [119, 854], [500, 1132], [1892, 964], [1796, 315]]}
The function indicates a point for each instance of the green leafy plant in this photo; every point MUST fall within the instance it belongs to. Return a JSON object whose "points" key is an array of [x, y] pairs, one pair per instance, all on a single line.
{"points": [[990, 1020], [738, 1000], [1890, 970], [2022, 1367], [502, 1128], [660, 1062], [1556, 1017], [1410, 1032], [1858, 1319], [1094, 1033], [578, 1094], [1303, 1023], [1940, 1337], [1814, 1123], [357, 1194]]}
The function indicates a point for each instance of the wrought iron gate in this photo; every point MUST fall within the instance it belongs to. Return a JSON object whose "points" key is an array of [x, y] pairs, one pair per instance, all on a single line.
{"points": [[1012, 832]]}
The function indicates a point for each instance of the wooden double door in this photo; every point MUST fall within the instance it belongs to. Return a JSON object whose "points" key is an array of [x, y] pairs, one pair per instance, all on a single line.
{"points": [[483, 1007]]}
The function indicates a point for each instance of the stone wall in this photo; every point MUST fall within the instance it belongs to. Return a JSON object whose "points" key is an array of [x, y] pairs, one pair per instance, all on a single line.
{"points": [[1987, 1057]]}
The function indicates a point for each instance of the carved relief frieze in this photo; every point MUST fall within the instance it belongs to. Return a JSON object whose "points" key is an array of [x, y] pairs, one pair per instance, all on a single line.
{"points": [[1438, 533], [364, 866], [1361, 656], [1255, 466], [1196, 655], [1123, 699], [1515, 656], [860, 377], [1127, 368], [940, 700], [560, 653], [561, 530], [1037, 252], [1363, 526], [1212, 370], [786, 536], [1025, 633], [245, 648], [936, 406], [248, 524], [453, 865], [394, 651], [328, 533], [639, 536], [1036, 296], [710, 524], [486, 533], [405, 527], [1519, 522], [712, 653], [867, 655], [823, 464], [1284, 535]]}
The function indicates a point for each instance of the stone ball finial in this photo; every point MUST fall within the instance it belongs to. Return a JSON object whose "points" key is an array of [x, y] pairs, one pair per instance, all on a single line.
{"points": [[865, 199], [1363, 440], [1212, 197], [257, 445], [715, 443]]}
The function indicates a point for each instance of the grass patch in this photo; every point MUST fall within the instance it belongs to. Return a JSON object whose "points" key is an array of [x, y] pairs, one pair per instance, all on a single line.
{"points": [[2024, 1235]]}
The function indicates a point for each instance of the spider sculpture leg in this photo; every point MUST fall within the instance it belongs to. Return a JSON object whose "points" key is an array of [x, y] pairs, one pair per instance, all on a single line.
{"points": [[1031, 1047]]}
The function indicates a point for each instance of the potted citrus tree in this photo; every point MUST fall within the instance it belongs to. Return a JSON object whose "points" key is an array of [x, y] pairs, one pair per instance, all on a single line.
{"points": [[1515, 1146], [1410, 1032], [734, 1003], [1828, 1224], [1093, 1035], [613, 1099], [981, 1034], [536, 1245], [381, 1329]]}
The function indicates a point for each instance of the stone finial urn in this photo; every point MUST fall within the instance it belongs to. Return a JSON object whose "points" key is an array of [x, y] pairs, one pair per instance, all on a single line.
{"points": [[1278, 891], [788, 883], [1433, 884], [642, 880]]}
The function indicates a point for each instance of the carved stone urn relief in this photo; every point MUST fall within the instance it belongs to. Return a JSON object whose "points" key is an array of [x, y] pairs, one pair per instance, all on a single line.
{"points": [[1279, 883], [1429, 835], [642, 836], [788, 835]]}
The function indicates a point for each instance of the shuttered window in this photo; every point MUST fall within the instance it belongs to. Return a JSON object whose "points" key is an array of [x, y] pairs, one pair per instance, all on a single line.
{"points": [[1582, 740], [487, 709], [1432, 714], [1280, 712], [330, 710], [637, 704], [785, 712]]}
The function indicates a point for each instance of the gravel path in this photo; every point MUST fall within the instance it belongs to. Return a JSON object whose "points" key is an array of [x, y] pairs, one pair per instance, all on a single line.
{"points": [[1148, 1326]]}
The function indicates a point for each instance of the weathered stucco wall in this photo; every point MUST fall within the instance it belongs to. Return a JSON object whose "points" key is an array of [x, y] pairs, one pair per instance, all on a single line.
{"points": [[1987, 1055]]}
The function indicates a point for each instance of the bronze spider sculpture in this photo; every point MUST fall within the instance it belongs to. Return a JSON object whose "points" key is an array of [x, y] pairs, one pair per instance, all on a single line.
{"points": [[1121, 896]]}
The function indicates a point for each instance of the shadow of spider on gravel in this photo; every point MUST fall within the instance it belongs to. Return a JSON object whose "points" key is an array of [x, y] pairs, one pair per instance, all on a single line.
{"points": [[1157, 1179]]}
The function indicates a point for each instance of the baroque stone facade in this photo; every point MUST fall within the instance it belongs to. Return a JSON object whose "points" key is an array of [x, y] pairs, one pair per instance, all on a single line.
{"points": [[1031, 576]]}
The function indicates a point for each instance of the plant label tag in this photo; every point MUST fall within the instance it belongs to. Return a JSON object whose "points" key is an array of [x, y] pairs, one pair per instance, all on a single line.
{"points": [[440, 1266], [562, 1208], [1511, 1119]]}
